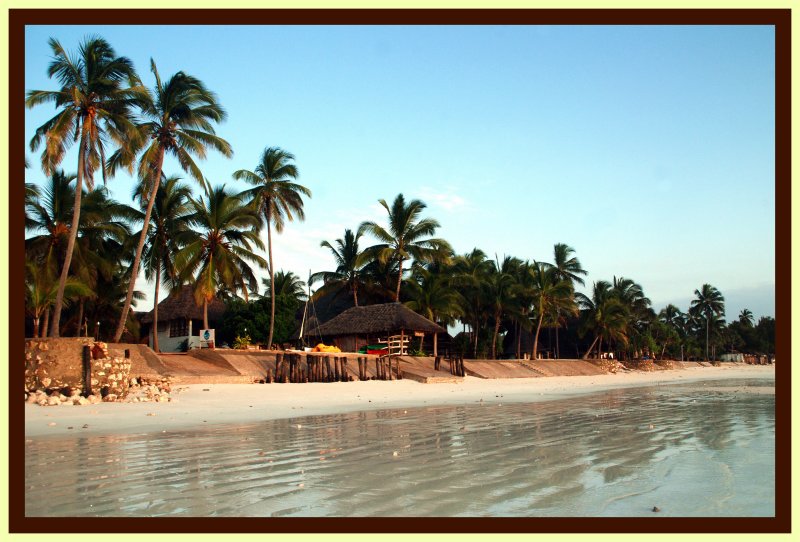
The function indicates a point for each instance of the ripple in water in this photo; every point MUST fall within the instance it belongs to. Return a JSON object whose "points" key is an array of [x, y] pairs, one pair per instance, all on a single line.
{"points": [[693, 450]]}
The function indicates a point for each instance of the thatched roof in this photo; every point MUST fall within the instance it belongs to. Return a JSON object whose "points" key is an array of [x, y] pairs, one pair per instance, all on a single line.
{"points": [[183, 305], [386, 318]]}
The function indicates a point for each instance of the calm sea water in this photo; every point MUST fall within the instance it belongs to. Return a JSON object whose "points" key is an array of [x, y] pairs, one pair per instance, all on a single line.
{"points": [[692, 450]]}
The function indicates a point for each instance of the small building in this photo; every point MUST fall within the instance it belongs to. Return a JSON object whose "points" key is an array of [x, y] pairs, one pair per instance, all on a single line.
{"points": [[361, 326], [180, 319]]}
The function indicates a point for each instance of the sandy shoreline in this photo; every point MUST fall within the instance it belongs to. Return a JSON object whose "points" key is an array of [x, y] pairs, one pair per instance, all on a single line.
{"points": [[201, 405]]}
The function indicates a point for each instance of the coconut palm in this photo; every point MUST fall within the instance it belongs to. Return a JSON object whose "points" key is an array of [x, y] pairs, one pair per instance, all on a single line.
{"points": [[567, 267], [178, 121], [276, 198], [169, 220], [470, 271], [349, 273], [499, 293], [406, 236], [746, 318], [708, 304], [605, 314], [221, 251], [103, 224], [41, 289], [94, 103], [432, 295], [552, 296], [287, 284]]}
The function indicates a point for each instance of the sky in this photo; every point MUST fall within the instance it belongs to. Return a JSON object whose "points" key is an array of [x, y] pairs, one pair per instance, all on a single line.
{"points": [[649, 150]]}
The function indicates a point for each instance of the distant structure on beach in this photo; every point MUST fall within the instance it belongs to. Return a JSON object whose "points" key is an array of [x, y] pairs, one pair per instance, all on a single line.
{"points": [[180, 319]]}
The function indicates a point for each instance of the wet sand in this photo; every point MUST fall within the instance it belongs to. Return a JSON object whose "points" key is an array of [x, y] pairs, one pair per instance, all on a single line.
{"points": [[202, 405]]}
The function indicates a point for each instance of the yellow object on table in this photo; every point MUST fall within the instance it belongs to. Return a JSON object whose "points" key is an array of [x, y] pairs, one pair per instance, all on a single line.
{"points": [[323, 348]]}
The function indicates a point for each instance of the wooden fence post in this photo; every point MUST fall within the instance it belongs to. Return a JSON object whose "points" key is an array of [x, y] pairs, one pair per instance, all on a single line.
{"points": [[344, 369], [87, 371]]}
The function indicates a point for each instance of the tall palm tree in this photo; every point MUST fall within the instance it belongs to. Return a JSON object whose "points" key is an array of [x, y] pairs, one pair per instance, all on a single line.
{"points": [[708, 303], [552, 296], [746, 317], [568, 268], [349, 273], [405, 237], [605, 314], [499, 293], [169, 220], [94, 109], [276, 198], [222, 250], [177, 121], [470, 272]]}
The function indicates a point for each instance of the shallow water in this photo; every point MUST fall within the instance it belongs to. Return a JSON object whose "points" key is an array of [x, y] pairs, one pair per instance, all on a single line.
{"points": [[699, 449]]}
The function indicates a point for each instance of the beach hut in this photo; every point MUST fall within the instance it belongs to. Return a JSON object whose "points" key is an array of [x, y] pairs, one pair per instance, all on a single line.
{"points": [[180, 319], [393, 323]]}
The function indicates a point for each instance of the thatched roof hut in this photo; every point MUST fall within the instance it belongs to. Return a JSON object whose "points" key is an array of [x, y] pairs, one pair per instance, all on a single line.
{"points": [[386, 318], [183, 305]]}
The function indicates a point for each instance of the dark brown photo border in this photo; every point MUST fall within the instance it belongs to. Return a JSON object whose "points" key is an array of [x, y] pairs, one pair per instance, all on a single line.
{"points": [[779, 18]]}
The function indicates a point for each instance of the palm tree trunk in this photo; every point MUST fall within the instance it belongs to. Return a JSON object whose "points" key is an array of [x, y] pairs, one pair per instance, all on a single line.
{"points": [[205, 313], [435, 351], [600, 347], [536, 337], [155, 310], [46, 322], [399, 280], [73, 234], [589, 351], [271, 282], [707, 326], [123, 318], [36, 326], [355, 293]]}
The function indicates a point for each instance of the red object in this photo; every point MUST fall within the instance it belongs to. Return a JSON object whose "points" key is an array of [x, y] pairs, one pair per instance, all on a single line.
{"points": [[381, 352]]}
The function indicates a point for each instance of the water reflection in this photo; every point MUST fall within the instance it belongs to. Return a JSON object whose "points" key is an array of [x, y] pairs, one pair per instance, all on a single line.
{"points": [[608, 454]]}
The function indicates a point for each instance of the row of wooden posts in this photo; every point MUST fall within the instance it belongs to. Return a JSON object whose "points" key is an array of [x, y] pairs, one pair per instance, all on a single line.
{"points": [[288, 369], [456, 365]]}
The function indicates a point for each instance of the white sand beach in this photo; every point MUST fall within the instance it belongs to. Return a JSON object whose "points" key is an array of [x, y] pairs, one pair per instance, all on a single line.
{"points": [[200, 405]]}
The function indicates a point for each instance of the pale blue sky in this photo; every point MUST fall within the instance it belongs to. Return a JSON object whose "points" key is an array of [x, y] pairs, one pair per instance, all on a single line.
{"points": [[650, 150]]}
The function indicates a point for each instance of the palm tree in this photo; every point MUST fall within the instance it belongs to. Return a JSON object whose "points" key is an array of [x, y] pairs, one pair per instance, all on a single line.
{"points": [[287, 284], [605, 314], [178, 121], [567, 268], [349, 273], [552, 296], [41, 289], [169, 219], [676, 320], [746, 318], [470, 271], [103, 224], [94, 108], [433, 297], [219, 253], [709, 304], [276, 199], [499, 293], [405, 238]]}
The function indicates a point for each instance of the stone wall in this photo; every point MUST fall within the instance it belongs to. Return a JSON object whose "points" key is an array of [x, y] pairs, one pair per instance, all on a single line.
{"points": [[54, 374]]}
